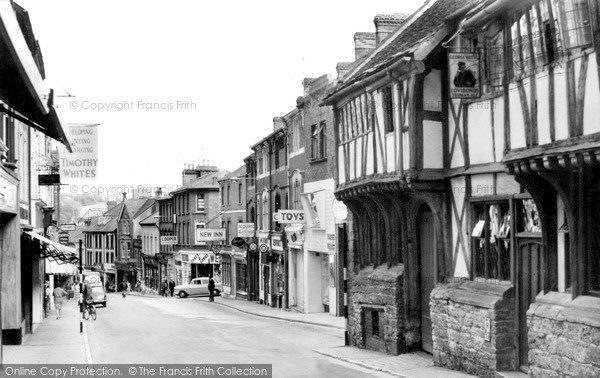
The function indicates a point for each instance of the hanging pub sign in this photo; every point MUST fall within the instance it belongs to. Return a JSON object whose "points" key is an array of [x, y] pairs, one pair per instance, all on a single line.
{"points": [[52, 179], [464, 75]]}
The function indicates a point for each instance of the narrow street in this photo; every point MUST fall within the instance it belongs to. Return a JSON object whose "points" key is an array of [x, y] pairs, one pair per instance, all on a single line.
{"points": [[194, 331]]}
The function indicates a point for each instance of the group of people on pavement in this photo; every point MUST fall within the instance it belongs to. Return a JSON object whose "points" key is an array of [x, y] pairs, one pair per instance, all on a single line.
{"points": [[167, 287], [60, 294]]}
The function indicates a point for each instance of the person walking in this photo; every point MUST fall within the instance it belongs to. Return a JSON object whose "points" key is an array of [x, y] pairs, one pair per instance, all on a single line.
{"points": [[211, 289], [59, 296], [165, 289], [47, 295], [171, 286]]}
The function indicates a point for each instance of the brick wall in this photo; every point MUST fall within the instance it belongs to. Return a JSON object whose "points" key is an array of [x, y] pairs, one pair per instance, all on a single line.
{"points": [[377, 288], [459, 313], [564, 336]]}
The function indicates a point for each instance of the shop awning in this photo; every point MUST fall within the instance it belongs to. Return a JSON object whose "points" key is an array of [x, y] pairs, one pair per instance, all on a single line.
{"points": [[54, 251], [53, 267], [21, 82]]}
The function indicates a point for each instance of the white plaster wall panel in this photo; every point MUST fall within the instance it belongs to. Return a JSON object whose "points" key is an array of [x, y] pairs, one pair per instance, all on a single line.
{"points": [[406, 150], [480, 133], [591, 119], [482, 185], [341, 165], [517, 124], [390, 153], [432, 92], [561, 105], [458, 159], [370, 154], [433, 148], [359, 155], [352, 159], [543, 111], [498, 114], [457, 194], [506, 184], [380, 130]]}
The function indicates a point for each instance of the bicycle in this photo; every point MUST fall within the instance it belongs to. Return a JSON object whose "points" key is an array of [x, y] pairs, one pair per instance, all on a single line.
{"points": [[89, 310]]}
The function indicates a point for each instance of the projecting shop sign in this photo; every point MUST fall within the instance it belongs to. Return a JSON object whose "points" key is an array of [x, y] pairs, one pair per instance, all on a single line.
{"points": [[289, 216], [82, 163], [168, 240], [245, 230], [209, 234]]}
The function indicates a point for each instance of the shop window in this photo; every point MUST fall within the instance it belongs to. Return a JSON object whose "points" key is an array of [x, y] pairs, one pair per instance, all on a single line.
{"points": [[491, 242], [240, 274], [226, 271]]}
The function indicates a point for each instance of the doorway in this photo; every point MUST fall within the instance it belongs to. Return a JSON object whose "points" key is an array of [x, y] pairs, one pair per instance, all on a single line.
{"points": [[529, 284], [426, 249]]}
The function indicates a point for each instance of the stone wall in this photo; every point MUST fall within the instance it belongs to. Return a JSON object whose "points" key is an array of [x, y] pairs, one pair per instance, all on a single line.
{"points": [[473, 327], [564, 336], [379, 289]]}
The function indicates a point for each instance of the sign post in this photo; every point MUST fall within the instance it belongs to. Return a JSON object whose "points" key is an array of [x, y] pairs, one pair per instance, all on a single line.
{"points": [[80, 287]]}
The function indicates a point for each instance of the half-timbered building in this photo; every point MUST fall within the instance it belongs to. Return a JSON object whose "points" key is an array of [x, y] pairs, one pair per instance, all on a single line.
{"points": [[523, 192], [392, 153]]}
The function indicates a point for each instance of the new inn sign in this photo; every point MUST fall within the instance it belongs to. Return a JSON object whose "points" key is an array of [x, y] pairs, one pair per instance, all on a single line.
{"points": [[209, 234]]}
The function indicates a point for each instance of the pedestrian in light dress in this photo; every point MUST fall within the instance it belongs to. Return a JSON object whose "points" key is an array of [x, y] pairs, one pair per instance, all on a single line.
{"points": [[59, 295]]}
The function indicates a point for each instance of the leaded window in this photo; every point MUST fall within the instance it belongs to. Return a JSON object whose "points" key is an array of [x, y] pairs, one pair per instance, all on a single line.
{"points": [[491, 241]]}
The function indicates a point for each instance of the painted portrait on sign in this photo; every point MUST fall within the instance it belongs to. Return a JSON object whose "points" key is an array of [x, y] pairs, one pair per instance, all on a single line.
{"points": [[464, 75]]}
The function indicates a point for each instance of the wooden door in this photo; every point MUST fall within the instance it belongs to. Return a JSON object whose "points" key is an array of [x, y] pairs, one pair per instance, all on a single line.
{"points": [[529, 285], [427, 245]]}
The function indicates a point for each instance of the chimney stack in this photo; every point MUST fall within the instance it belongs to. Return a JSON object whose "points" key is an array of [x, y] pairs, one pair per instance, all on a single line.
{"points": [[386, 24], [278, 123], [364, 43], [342, 69], [306, 83]]}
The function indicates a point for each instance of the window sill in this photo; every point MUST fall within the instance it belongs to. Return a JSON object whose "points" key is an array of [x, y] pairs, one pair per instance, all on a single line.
{"points": [[319, 160]]}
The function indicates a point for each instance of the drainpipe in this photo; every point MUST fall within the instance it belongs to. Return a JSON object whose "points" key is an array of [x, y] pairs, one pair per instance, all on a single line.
{"points": [[399, 128]]}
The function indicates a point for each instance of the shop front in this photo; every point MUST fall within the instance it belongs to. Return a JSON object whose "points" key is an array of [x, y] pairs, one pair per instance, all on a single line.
{"points": [[126, 273], [150, 271], [199, 263], [277, 267], [295, 241]]}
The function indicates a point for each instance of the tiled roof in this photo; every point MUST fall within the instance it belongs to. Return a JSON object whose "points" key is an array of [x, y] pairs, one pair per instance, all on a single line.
{"points": [[133, 205], [149, 202], [419, 28], [239, 172], [209, 181], [151, 219], [110, 226]]}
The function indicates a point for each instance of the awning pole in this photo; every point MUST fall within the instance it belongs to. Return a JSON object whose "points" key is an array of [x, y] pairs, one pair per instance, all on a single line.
{"points": [[80, 287]]}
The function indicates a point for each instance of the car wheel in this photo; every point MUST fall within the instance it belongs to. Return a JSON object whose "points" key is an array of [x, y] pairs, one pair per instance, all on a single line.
{"points": [[104, 304], [182, 294], [217, 293]]}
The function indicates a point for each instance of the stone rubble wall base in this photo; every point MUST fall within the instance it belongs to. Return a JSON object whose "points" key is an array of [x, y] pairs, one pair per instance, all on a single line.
{"points": [[564, 336], [378, 288], [460, 313]]}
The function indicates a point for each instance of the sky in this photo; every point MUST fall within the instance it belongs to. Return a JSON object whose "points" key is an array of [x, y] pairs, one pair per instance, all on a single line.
{"points": [[182, 81]]}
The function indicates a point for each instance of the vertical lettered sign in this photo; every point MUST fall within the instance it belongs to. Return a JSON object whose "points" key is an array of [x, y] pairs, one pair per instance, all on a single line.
{"points": [[82, 163]]}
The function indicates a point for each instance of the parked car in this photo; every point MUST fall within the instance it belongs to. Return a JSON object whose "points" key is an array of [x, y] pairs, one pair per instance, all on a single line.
{"points": [[99, 295], [197, 287]]}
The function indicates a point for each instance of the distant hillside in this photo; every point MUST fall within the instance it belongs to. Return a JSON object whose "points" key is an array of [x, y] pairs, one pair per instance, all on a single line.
{"points": [[70, 204]]}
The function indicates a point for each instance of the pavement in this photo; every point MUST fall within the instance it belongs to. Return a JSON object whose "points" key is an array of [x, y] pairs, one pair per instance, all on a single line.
{"points": [[59, 341], [55, 341]]}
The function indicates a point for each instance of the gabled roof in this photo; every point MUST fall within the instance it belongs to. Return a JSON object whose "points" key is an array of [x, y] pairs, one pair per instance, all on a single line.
{"points": [[417, 37], [95, 226], [209, 181], [133, 205], [150, 220], [149, 202], [239, 172]]}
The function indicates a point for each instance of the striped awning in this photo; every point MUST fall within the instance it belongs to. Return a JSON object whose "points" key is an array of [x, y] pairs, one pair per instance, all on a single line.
{"points": [[54, 251]]}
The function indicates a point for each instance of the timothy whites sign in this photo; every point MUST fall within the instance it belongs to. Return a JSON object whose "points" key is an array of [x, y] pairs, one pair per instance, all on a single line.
{"points": [[82, 163]]}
